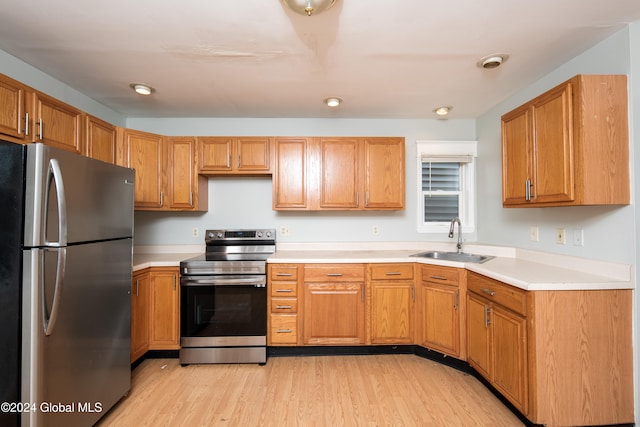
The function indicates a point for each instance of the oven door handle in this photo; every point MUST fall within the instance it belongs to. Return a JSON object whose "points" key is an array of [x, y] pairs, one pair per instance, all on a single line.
{"points": [[255, 281]]}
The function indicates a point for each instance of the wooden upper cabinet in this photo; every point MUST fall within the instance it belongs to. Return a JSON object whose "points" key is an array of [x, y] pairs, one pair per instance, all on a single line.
{"points": [[143, 152], [57, 124], [186, 190], [100, 141], [166, 177], [569, 146], [14, 117], [234, 155], [290, 174], [339, 173], [384, 172]]}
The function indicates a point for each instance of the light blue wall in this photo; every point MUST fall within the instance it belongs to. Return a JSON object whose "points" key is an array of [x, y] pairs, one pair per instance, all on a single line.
{"points": [[246, 202], [608, 231], [30, 76]]}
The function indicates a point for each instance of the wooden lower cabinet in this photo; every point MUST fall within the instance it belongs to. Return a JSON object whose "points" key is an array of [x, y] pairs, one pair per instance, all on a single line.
{"points": [[334, 304], [393, 296], [282, 304], [440, 308], [139, 314], [164, 324], [563, 358], [155, 311]]}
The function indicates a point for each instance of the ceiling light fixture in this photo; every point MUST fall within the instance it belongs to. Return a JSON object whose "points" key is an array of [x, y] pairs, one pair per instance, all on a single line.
{"points": [[492, 61], [442, 111], [308, 7], [332, 102], [142, 89]]}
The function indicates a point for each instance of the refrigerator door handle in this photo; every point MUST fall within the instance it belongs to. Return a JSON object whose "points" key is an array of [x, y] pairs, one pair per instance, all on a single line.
{"points": [[55, 175], [49, 317]]}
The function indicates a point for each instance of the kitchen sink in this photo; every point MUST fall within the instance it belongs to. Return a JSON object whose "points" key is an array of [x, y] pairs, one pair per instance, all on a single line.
{"points": [[453, 256]]}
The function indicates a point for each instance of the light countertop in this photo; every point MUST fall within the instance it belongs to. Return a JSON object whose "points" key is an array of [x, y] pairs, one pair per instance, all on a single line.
{"points": [[528, 270]]}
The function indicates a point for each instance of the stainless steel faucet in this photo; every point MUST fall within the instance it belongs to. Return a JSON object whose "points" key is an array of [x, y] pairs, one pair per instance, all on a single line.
{"points": [[453, 223]]}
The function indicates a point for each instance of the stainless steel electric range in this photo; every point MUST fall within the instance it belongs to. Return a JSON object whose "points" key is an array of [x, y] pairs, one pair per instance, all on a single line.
{"points": [[223, 298]]}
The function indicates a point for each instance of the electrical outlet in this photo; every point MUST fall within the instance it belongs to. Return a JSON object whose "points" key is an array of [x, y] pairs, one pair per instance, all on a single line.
{"points": [[375, 230], [284, 231], [578, 237], [534, 233], [195, 232], [561, 237]]}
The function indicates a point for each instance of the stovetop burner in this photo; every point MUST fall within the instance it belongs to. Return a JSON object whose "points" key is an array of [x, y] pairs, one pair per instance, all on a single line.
{"points": [[232, 252]]}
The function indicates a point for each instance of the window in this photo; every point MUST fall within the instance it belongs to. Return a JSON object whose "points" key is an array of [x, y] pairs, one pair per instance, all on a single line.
{"points": [[446, 185]]}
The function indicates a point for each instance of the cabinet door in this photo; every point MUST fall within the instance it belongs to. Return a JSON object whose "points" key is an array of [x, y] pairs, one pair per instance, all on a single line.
{"points": [[384, 173], [181, 173], [392, 312], [290, 174], [253, 155], [214, 154], [339, 173], [143, 152], [509, 345], [516, 156], [334, 313], [478, 335], [13, 115], [553, 175], [440, 320], [100, 140], [165, 303], [139, 315], [58, 124]]}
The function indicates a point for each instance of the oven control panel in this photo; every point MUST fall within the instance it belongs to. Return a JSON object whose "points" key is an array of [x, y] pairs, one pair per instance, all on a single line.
{"points": [[263, 234]]}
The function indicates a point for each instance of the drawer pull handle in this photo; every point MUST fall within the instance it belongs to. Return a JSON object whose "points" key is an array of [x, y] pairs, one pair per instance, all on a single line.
{"points": [[438, 277], [488, 292], [283, 306], [393, 273], [334, 274], [284, 290], [284, 331], [284, 274]]}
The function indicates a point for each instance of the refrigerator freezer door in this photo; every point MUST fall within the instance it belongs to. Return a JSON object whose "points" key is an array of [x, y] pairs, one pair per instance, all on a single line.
{"points": [[84, 361], [73, 199]]}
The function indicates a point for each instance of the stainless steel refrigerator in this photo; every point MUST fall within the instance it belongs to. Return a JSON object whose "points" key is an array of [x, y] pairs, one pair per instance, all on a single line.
{"points": [[66, 224]]}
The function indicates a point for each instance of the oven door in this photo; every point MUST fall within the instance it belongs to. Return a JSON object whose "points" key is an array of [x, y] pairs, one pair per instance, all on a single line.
{"points": [[223, 310]]}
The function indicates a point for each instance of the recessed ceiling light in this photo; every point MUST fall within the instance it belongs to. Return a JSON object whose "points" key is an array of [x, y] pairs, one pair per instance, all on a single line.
{"points": [[142, 89], [492, 61], [332, 102], [442, 111]]}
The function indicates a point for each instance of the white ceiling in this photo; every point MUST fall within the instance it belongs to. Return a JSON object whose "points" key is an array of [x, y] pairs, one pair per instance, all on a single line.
{"points": [[256, 58]]}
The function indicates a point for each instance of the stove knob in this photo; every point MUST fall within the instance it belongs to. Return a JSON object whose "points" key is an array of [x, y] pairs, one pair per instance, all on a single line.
{"points": [[211, 235], [219, 235], [259, 234], [268, 235]]}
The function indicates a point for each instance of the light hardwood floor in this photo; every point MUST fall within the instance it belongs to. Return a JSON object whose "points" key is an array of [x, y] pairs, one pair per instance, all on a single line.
{"points": [[380, 390]]}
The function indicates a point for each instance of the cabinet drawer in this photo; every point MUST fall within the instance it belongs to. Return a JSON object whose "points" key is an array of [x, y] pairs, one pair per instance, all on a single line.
{"points": [[391, 271], [334, 273], [284, 272], [507, 296], [284, 305], [283, 289], [437, 274], [284, 329]]}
